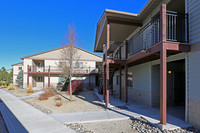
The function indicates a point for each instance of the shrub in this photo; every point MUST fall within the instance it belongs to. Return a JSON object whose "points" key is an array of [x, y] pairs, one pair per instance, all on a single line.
{"points": [[30, 89], [11, 89], [5, 86], [58, 101], [47, 93], [58, 104]]}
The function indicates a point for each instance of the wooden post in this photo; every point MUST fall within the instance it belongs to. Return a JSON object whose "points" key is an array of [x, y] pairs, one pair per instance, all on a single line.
{"points": [[27, 75], [120, 83], [107, 64], [107, 84], [104, 83], [125, 84], [163, 68], [104, 73], [49, 78]]}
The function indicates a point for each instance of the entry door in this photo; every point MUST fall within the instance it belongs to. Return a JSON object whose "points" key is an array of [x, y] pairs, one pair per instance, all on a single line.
{"points": [[179, 88]]}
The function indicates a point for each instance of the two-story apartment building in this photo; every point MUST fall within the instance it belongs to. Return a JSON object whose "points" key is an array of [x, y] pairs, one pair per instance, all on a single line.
{"points": [[153, 57], [16, 69], [43, 69]]}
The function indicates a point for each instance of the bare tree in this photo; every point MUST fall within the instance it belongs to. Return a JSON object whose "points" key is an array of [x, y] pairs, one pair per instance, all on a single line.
{"points": [[69, 55]]}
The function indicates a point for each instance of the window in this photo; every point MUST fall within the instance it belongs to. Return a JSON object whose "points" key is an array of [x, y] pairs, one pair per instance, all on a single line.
{"points": [[130, 80], [79, 64], [40, 64], [19, 68], [62, 64], [40, 79], [117, 79]]}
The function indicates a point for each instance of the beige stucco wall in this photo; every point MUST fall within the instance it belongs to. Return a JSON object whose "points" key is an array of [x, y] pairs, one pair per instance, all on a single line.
{"points": [[57, 54], [15, 72]]}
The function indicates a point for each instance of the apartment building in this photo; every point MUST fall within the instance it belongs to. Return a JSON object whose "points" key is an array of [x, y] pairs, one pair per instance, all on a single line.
{"points": [[42, 69], [16, 69], [153, 57]]}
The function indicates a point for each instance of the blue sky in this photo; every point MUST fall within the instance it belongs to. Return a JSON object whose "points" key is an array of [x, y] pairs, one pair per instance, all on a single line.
{"points": [[32, 26]]}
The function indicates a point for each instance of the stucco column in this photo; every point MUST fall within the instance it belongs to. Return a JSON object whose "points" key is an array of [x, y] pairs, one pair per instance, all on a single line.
{"points": [[163, 67]]}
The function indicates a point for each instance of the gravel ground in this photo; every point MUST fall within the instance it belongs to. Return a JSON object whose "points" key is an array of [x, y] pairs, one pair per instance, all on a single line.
{"points": [[119, 126], [84, 102], [143, 126], [17, 92], [139, 125]]}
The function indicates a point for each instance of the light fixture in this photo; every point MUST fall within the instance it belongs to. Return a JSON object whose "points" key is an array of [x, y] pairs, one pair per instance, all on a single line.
{"points": [[169, 72]]}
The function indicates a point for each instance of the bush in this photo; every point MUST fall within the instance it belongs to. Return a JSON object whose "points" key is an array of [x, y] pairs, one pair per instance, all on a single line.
{"points": [[30, 89], [11, 89], [58, 101], [5, 86], [47, 93]]}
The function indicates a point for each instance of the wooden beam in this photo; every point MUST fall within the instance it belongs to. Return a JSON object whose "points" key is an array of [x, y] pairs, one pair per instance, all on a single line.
{"points": [[117, 21], [154, 49]]}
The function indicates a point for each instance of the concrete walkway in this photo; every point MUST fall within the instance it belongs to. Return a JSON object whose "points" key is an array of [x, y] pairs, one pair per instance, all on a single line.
{"points": [[133, 111], [151, 114], [20, 117], [85, 117]]}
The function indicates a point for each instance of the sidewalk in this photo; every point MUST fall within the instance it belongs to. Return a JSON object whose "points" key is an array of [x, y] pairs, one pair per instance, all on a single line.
{"points": [[150, 114], [21, 117], [85, 117]]}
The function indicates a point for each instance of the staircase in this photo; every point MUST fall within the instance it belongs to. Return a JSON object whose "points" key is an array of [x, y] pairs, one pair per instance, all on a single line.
{"points": [[111, 74]]}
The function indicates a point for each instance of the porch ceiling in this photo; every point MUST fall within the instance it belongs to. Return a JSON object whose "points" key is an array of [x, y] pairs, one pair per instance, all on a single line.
{"points": [[123, 28], [118, 32]]}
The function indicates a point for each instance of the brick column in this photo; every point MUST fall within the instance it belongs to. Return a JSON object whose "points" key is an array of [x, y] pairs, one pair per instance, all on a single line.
{"points": [[163, 67]]}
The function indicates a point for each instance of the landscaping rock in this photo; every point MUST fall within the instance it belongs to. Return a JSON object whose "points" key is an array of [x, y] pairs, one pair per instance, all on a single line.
{"points": [[143, 126], [78, 128], [44, 110]]}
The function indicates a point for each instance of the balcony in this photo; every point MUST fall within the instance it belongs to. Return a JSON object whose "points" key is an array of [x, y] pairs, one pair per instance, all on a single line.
{"points": [[149, 35], [58, 70]]}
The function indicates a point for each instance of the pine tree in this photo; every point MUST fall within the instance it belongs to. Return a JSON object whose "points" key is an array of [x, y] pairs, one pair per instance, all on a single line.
{"points": [[19, 79], [3, 74]]}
